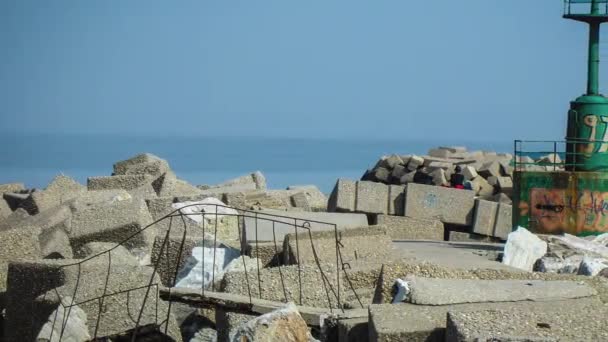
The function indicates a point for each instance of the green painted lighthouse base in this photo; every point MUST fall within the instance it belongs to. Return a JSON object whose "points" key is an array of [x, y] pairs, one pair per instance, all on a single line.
{"points": [[561, 202]]}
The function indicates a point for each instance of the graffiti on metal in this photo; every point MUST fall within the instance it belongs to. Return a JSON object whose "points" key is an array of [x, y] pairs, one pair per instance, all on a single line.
{"points": [[556, 202]]}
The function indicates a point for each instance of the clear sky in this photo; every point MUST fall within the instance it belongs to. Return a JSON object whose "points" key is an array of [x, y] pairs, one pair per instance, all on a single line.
{"points": [[374, 69]]}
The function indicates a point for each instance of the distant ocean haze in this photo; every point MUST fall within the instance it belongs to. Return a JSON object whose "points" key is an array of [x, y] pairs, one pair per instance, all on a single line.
{"points": [[36, 159]]}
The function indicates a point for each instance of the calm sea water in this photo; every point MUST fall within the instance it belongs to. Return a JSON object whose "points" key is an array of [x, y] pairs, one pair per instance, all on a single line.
{"points": [[36, 159]]}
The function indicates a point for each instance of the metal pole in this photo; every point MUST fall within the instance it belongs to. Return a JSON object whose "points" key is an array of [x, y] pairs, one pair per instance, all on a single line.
{"points": [[594, 52]]}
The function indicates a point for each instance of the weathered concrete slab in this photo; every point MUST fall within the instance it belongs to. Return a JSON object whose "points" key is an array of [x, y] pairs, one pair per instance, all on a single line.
{"points": [[126, 182], [445, 204], [372, 198], [562, 324], [492, 219], [113, 223], [430, 291], [409, 228], [361, 244], [409, 322], [343, 197], [265, 220], [35, 289]]}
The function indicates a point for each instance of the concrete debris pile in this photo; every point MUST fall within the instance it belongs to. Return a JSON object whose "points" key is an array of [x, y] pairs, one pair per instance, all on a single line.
{"points": [[116, 257], [489, 173]]}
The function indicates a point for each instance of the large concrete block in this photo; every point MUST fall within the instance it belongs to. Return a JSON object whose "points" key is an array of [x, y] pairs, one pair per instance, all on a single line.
{"points": [[287, 222], [362, 244], [372, 198], [126, 182], [445, 204], [408, 322], [492, 219], [409, 228], [343, 197], [36, 289], [142, 164], [562, 324], [17, 244], [116, 223]]}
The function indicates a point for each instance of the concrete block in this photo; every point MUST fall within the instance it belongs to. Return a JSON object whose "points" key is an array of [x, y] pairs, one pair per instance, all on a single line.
{"points": [[562, 324], [17, 244], [353, 330], [414, 162], [60, 190], [362, 244], [408, 322], [396, 198], [382, 175], [372, 198], [432, 291], [492, 219], [126, 182], [489, 169], [284, 223], [409, 228], [343, 197], [35, 289], [469, 172], [398, 172], [481, 187], [445, 204], [142, 164], [169, 185], [113, 224]]}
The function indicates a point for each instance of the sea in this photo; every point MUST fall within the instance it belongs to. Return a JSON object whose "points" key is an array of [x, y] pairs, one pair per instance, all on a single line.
{"points": [[35, 159]]}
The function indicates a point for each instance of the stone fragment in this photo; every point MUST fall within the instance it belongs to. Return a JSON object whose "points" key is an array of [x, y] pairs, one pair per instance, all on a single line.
{"points": [[284, 324], [523, 249], [409, 228], [431, 291], [372, 198], [445, 204], [343, 197], [126, 182], [492, 219], [355, 244], [115, 223]]}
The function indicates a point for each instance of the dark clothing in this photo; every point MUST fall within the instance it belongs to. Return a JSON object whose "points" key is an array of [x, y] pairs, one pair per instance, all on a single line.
{"points": [[457, 180], [422, 178]]}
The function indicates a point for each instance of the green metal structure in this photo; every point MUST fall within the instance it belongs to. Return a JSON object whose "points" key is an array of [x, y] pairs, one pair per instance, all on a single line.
{"points": [[569, 196], [588, 116]]}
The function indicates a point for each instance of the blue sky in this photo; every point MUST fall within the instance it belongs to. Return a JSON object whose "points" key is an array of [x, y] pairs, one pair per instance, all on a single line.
{"points": [[385, 69]]}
